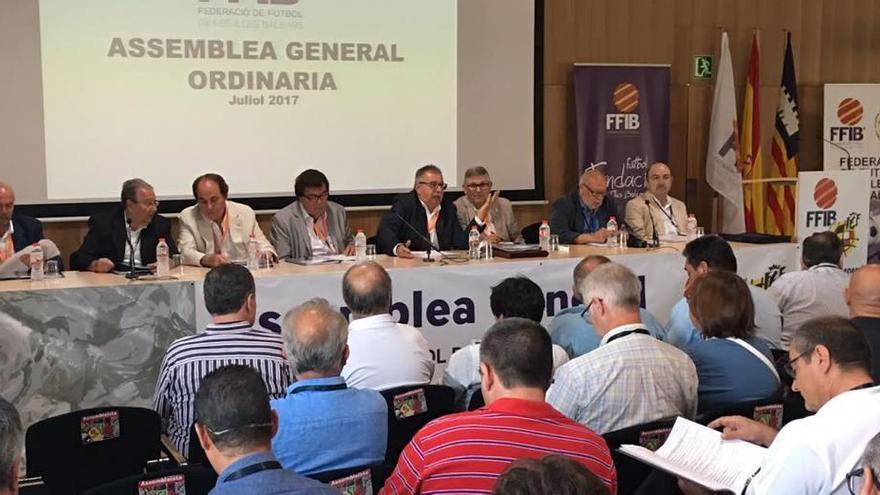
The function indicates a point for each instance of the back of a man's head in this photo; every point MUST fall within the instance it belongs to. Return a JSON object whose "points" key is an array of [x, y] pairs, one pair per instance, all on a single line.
{"points": [[713, 250], [863, 293], [316, 336], [366, 289], [233, 406], [584, 267], [616, 285], [822, 247], [517, 297], [227, 287], [520, 352], [846, 345], [11, 446], [871, 465], [553, 474]]}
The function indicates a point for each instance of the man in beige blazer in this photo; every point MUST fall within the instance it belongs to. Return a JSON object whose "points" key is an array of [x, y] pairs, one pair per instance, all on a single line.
{"points": [[501, 225], [669, 214], [216, 231]]}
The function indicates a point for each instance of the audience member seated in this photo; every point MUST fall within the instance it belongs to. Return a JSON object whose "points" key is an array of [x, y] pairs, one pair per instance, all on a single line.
{"points": [[712, 253], [466, 452], [216, 231], [128, 232], [501, 225], [312, 225], [733, 366], [553, 474], [433, 217], [863, 298], [235, 427], [230, 339], [382, 353], [656, 207], [866, 475], [323, 424], [830, 363], [17, 231], [571, 328], [816, 290], [580, 216], [11, 448], [512, 297], [632, 378]]}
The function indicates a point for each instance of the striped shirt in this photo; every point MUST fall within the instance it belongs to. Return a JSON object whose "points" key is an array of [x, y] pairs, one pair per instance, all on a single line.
{"points": [[466, 452], [190, 358]]}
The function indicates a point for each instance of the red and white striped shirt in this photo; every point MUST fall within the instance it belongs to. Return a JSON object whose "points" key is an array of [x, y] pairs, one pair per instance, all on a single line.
{"points": [[465, 453]]}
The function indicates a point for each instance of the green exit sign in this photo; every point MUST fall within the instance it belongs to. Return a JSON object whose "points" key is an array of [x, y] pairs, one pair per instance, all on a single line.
{"points": [[703, 66]]}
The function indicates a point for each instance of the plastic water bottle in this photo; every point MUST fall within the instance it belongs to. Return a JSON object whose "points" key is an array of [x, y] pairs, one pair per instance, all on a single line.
{"points": [[360, 246], [611, 227], [253, 253], [37, 263], [474, 243], [163, 259], [692, 226], [544, 236]]}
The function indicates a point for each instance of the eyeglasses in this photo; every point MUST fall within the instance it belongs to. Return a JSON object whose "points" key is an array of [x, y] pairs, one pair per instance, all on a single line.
{"points": [[317, 197], [789, 368], [149, 203], [594, 194], [589, 304], [479, 185], [227, 430], [434, 185], [854, 480]]}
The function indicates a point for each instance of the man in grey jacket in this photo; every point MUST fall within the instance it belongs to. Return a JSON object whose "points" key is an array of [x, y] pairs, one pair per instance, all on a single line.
{"points": [[311, 225]]}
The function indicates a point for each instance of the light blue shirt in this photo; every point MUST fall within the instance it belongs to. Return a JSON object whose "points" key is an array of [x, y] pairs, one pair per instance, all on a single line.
{"points": [[274, 481], [321, 429], [682, 333], [577, 336]]}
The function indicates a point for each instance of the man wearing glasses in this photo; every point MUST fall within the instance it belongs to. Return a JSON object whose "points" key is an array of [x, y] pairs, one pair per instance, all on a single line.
{"points": [[430, 217], [580, 216], [830, 362], [501, 225], [128, 233], [312, 225]]}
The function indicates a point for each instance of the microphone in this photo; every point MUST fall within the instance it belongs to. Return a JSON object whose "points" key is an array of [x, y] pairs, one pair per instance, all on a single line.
{"points": [[655, 240], [427, 241], [848, 156], [131, 275]]}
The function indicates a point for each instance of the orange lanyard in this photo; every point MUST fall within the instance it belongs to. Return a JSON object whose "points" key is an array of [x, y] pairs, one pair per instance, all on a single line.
{"points": [[432, 221], [8, 249], [320, 227], [218, 243]]}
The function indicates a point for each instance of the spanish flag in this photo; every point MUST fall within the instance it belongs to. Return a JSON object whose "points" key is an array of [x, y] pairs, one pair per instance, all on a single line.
{"points": [[784, 150], [750, 147]]}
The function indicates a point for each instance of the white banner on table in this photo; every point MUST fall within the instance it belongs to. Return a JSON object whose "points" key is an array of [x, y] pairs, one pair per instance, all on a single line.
{"points": [[836, 201], [450, 304]]}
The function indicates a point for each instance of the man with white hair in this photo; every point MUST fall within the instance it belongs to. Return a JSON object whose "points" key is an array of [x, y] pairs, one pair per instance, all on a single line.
{"points": [[11, 448], [16, 231], [632, 378], [868, 471]]}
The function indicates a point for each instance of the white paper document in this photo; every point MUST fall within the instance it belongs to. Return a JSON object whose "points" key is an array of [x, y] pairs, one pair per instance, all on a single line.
{"points": [[698, 453], [13, 266]]}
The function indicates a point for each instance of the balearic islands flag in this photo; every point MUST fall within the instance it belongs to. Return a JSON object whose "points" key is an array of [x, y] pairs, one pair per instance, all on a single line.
{"points": [[750, 147], [784, 150], [722, 172]]}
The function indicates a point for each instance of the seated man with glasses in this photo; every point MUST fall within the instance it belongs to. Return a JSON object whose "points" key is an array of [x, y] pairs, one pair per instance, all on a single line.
{"points": [[501, 225], [312, 225], [830, 362], [127, 233], [866, 475], [430, 217], [580, 216]]}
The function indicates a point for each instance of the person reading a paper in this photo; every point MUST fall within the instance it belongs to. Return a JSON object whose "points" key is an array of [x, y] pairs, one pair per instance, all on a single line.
{"points": [[17, 234], [656, 207], [830, 362]]}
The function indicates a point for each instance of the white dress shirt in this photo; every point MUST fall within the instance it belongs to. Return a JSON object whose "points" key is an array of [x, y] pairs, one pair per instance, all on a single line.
{"points": [[804, 295], [669, 227], [135, 236], [319, 247], [385, 354]]}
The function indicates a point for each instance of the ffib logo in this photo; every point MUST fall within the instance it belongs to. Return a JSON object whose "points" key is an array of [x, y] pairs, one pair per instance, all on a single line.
{"points": [[849, 112], [626, 101], [825, 195]]}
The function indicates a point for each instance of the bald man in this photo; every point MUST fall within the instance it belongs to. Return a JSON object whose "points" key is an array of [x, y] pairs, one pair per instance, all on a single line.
{"points": [[863, 298], [382, 353], [580, 216], [669, 214], [16, 231]]}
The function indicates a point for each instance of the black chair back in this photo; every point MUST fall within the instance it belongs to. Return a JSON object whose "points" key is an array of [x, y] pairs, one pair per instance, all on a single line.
{"points": [[530, 233], [196, 454], [83, 449], [630, 472], [378, 473], [768, 411], [197, 480], [476, 401], [409, 409]]}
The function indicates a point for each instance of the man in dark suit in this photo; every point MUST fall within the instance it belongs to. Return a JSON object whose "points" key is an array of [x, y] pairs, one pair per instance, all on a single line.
{"points": [[432, 216], [580, 216], [133, 226], [16, 231]]}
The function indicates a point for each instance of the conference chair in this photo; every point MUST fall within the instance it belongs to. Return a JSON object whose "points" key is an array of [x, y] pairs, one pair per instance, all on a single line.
{"points": [[630, 472], [530, 233], [409, 409], [82, 449], [769, 411], [374, 475], [196, 454], [197, 480]]}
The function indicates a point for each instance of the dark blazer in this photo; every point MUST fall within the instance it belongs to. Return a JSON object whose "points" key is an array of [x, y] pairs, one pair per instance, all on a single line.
{"points": [[393, 231], [566, 219], [106, 239], [26, 231]]}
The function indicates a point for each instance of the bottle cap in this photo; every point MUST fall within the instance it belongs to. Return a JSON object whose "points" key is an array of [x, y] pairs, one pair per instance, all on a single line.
{"points": [[161, 239], [360, 231], [613, 218]]}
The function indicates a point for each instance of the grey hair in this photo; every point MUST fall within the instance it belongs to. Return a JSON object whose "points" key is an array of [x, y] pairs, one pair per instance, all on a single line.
{"points": [[478, 171], [871, 457], [319, 348], [11, 442], [130, 187], [616, 285]]}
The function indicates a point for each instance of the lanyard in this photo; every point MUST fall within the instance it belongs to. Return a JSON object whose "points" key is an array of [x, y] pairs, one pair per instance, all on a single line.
{"points": [[621, 335], [665, 213], [591, 223], [318, 388], [252, 469], [8, 248]]}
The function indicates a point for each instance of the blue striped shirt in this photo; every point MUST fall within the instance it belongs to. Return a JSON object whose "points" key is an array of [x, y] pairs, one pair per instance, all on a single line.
{"points": [[190, 358]]}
